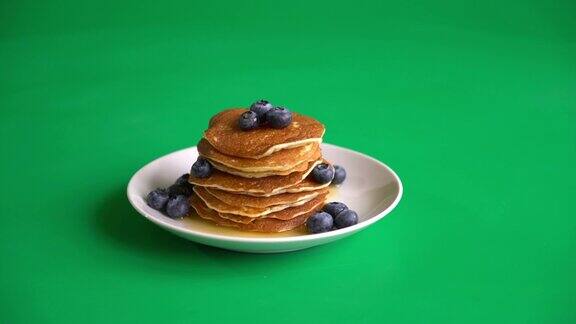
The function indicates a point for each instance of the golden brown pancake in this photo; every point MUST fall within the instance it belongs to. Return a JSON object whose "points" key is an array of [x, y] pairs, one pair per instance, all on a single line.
{"points": [[298, 168], [282, 160], [258, 225], [236, 199], [247, 211], [225, 136], [262, 186], [285, 214], [307, 185], [236, 218]]}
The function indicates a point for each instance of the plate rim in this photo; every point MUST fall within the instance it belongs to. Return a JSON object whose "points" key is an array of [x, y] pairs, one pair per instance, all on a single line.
{"points": [[287, 239]]}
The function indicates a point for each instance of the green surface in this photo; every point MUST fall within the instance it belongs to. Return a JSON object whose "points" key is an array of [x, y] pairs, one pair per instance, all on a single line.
{"points": [[472, 103]]}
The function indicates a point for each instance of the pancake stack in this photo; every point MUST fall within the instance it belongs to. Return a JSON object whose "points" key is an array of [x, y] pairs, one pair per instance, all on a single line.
{"points": [[260, 179]]}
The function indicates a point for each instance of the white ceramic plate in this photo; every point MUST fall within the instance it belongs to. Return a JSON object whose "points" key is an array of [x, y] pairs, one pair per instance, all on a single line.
{"points": [[371, 188]]}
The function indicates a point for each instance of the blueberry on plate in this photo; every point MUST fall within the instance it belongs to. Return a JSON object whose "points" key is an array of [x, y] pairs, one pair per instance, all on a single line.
{"points": [[177, 207], [157, 198], [248, 120], [323, 173], [346, 218], [201, 168], [179, 190], [319, 223], [339, 175], [278, 117], [334, 208], [183, 179], [261, 107]]}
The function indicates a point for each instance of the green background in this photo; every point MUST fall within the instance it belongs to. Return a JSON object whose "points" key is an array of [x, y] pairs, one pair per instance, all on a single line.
{"points": [[472, 103]]}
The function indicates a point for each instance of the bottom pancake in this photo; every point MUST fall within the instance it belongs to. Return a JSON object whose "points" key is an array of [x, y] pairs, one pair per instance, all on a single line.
{"points": [[258, 225]]}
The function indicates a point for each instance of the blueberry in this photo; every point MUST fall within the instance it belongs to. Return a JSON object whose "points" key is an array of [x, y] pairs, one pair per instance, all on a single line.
{"points": [[179, 190], [183, 180], [346, 218], [261, 107], [334, 208], [323, 173], [177, 207], [319, 223], [201, 168], [248, 120], [157, 199], [181, 187], [339, 175], [279, 117]]}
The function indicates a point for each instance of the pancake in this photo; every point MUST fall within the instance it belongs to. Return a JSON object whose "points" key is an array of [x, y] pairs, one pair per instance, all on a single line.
{"points": [[235, 199], [282, 160], [307, 185], [285, 214], [259, 225], [225, 136], [260, 186], [214, 203], [297, 168]]}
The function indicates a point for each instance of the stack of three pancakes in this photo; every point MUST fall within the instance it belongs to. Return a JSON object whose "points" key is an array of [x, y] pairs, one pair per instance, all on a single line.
{"points": [[260, 179]]}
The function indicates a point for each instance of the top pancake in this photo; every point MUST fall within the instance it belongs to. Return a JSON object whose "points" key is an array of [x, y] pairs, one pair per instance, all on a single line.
{"points": [[283, 160], [225, 136]]}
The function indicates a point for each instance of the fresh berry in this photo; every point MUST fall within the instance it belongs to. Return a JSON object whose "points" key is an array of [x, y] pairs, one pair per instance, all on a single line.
{"points": [[319, 223], [183, 180], [339, 175], [177, 207], [346, 218], [261, 107], [201, 168], [334, 208], [157, 199], [248, 120], [323, 173], [279, 117], [178, 190]]}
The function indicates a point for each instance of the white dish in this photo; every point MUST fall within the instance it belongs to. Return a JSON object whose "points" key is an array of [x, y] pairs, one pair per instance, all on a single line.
{"points": [[371, 188]]}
